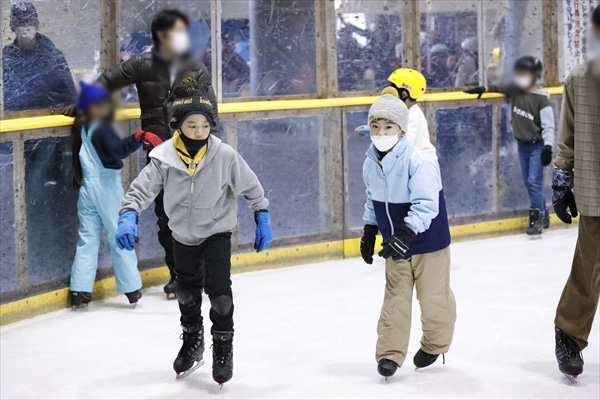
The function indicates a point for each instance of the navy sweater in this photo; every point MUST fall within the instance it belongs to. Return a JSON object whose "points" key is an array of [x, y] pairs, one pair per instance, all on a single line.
{"points": [[110, 147]]}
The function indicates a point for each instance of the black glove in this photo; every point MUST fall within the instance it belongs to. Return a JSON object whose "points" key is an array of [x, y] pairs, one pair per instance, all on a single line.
{"points": [[397, 246], [479, 90], [546, 156], [563, 200], [367, 243]]}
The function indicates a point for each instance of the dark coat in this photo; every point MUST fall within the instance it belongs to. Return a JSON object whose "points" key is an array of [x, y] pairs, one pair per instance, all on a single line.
{"points": [[36, 78], [151, 75]]}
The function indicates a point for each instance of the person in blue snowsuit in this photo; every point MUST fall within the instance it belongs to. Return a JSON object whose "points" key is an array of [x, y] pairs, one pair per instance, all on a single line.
{"points": [[97, 155]]}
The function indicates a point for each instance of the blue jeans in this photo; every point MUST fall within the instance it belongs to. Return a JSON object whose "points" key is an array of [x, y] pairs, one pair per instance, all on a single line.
{"points": [[533, 172]]}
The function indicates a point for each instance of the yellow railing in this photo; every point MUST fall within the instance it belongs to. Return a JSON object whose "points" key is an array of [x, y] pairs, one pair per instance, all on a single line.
{"points": [[52, 121]]}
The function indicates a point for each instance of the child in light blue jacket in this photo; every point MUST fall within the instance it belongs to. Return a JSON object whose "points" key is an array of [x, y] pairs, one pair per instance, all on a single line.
{"points": [[405, 202]]}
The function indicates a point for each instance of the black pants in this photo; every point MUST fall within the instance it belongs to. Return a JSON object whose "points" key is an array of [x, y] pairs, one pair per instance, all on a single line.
{"points": [[164, 232], [214, 254]]}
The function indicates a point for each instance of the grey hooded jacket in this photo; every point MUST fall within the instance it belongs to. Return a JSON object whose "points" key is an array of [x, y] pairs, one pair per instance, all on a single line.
{"points": [[199, 206]]}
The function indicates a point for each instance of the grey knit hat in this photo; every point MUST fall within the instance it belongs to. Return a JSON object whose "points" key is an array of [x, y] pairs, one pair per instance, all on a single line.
{"points": [[392, 108]]}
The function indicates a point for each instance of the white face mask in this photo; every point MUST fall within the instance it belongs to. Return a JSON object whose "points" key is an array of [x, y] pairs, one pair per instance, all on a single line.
{"points": [[522, 81], [180, 42], [384, 143]]}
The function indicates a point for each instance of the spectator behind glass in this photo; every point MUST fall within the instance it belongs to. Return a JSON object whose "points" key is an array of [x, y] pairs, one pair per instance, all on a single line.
{"points": [[35, 73], [468, 65]]}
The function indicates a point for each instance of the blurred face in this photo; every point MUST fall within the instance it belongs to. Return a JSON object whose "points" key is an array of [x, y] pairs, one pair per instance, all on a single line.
{"points": [[26, 34], [593, 42], [451, 62], [176, 40], [195, 127], [101, 111], [524, 79]]}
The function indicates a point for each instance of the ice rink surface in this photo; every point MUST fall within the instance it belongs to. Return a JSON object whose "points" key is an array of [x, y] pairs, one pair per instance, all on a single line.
{"points": [[309, 332]]}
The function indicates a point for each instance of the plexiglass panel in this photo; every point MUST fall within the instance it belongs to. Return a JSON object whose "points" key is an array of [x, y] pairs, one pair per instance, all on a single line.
{"points": [[467, 159], [449, 42], [278, 36], [357, 147], [284, 154], [47, 46], [369, 43], [52, 221], [148, 248], [136, 38], [511, 29], [8, 265]]}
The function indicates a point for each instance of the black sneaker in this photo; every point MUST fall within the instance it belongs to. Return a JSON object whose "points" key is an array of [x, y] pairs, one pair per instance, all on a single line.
{"points": [[80, 299], [536, 222], [568, 354], [134, 296], [423, 359], [386, 368], [192, 349], [546, 219], [222, 368]]}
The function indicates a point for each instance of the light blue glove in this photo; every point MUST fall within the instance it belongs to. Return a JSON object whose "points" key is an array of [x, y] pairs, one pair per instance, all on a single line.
{"points": [[264, 233], [127, 230]]}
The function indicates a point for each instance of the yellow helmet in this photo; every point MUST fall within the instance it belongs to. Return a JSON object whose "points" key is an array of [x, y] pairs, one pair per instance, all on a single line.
{"points": [[411, 80]]}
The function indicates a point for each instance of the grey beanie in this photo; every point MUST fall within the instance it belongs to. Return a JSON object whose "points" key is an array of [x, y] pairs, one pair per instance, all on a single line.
{"points": [[392, 108]]}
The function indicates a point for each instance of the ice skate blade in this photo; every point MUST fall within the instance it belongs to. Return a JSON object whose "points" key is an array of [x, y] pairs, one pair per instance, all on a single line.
{"points": [[385, 380], [534, 237], [181, 375], [170, 296], [79, 307], [571, 378], [220, 386]]}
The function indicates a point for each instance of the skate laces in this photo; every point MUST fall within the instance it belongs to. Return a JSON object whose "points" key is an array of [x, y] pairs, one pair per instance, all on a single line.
{"points": [[570, 347], [191, 341], [221, 351]]}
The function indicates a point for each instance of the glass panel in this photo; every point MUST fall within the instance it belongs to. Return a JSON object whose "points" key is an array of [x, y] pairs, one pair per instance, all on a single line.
{"points": [[369, 43], [449, 44], [39, 69], [357, 147], [136, 38], [511, 29], [52, 221], [149, 248], [8, 263], [512, 192], [284, 153], [271, 40], [467, 159]]}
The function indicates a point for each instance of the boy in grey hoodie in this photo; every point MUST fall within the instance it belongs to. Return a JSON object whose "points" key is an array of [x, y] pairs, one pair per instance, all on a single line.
{"points": [[533, 126], [198, 174]]}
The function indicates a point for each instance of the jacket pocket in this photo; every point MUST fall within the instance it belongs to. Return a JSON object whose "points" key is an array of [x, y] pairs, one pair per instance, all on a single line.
{"points": [[201, 222]]}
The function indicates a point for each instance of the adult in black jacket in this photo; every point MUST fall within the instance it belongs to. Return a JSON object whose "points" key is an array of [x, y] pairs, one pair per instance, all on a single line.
{"points": [[35, 73], [155, 75]]}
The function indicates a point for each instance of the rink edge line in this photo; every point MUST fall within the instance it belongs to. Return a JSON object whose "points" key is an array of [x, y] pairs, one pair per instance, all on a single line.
{"points": [[249, 262], [53, 121]]}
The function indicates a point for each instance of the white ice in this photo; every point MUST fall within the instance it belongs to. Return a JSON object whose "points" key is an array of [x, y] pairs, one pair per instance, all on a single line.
{"points": [[309, 332]]}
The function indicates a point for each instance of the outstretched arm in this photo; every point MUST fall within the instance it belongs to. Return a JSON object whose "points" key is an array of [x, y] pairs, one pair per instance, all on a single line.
{"points": [[143, 189]]}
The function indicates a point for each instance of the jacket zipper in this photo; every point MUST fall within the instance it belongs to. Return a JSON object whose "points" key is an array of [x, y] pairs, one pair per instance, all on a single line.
{"points": [[387, 210], [190, 205]]}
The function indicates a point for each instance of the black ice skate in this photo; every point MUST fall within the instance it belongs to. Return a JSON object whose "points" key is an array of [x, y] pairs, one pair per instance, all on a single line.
{"points": [[386, 368], [80, 299], [134, 296], [222, 369], [546, 219], [536, 223], [170, 288], [190, 355], [568, 355], [423, 359]]}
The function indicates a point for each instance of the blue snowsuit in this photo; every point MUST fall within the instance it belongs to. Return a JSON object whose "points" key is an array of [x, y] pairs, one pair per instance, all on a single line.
{"points": [[99, 201]]}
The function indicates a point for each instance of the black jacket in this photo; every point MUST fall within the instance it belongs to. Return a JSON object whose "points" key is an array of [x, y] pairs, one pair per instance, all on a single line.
{"points": [[151, 75], [36, 78]]}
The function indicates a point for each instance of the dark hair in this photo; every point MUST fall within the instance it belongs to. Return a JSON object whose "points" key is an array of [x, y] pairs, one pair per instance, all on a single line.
{"points": [[76, 147], [165, 20], [596, 17]]}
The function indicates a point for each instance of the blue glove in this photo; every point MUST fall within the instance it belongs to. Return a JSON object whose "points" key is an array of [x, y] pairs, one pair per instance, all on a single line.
{"points": [[127, 230], [264, 233]]}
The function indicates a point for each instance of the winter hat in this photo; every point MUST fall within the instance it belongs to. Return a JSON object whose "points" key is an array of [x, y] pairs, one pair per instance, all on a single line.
{"points": [[190, 98], [21, 13], [390, 107], [90, 95]]}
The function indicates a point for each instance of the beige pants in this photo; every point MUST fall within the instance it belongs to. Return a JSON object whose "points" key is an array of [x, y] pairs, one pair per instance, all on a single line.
{"points": [[579, 300], [430, 273]]}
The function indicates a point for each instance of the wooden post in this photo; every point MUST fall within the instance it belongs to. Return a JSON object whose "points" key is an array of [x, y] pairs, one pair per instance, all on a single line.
{"points": [[109, 33], [20, 210], [411, 45], [217, 46], [550, 18]]}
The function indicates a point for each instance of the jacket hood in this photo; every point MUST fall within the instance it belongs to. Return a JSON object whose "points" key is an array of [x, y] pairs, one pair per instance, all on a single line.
{"points": [[166, 153], [541, 91]]}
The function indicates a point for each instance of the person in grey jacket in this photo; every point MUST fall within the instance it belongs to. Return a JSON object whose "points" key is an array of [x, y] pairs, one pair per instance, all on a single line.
{"points": [[200, 176], [533, 126]]}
